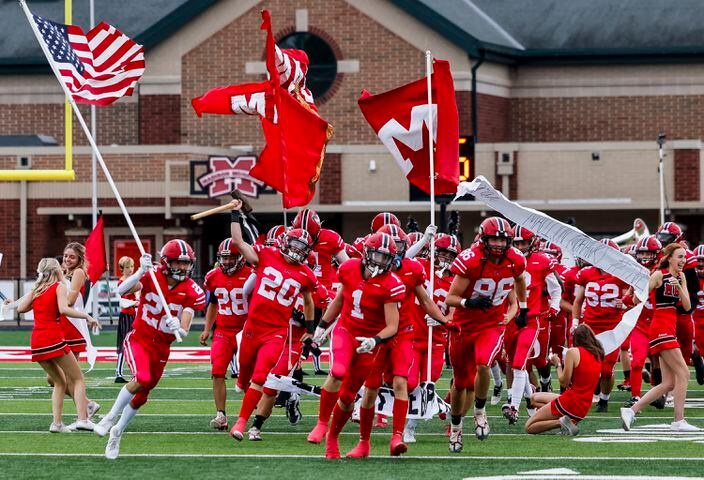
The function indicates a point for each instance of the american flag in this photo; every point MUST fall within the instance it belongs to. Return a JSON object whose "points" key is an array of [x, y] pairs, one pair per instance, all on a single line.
{"points": [[97, 68]]}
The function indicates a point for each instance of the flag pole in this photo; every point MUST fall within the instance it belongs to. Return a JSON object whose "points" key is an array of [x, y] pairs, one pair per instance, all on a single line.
{"points": [[431, 137], [94, 166], [99, 157], [661, 175]]}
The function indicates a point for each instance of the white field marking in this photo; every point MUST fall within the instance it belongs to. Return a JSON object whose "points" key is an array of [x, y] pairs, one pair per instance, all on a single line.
{"points": [[321, 457], [566, 474], [264, 433], [642, 434]]}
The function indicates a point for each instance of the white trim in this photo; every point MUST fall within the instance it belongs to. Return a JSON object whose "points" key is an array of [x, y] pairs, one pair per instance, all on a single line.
{"points": [[122, 149], [302, 20], [576, 146], [515, 43], [347, 66]]}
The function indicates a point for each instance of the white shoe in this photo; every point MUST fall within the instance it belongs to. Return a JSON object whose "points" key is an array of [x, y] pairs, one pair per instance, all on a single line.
{"points": [[93, 408], [219, 422], [683, 426], [84, 425], [496, 394], [455, 438], [481, 424], [254, 434], [409, 433], [112, 449], [568, 427], [595, 398], [628, 416], [59, 428], [238, 389], [104, 426]]}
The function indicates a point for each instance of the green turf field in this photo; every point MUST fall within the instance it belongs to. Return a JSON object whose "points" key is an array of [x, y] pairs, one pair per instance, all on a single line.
{"points": [[171, 438]]}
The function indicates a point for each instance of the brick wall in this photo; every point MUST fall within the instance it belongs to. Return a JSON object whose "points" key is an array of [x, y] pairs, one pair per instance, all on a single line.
{"points": [[330, 184], [386, 61], [687, 175], [582, 119], [9, 237], [116, 123], [159, 119]]}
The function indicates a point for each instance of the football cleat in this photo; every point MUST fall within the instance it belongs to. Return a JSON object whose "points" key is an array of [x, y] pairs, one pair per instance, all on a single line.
{"points": [[318, 433], [496, 395], [510, 413], [93, 408], [59, 428], [698, 368], [625, 386], [120, 379], [219, 422], [602, 406], [481, 424], [254, 434], [102, 428], [568, 427], [645, 375], [381, 421], [361, 450], [455, 439], [409, 432], [633, 400], [659, 403], [628, 416], [332, 447], [237, 431], [293, 409], [112, 449], [397, 447]]}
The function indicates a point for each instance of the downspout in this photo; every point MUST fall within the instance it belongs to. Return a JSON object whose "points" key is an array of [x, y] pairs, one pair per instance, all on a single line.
{"points": [[475, 67]]}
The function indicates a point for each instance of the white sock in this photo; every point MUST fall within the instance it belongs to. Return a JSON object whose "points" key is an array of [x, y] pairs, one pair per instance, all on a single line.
{"points": [[411, 422], [604, 396], [127, 415], [496, 374], [547, 379], [528, 390], [520, 378], [123, 399]]}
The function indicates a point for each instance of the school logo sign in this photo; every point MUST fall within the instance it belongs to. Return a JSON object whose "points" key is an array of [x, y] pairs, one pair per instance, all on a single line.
{"points": [[225, 174]]}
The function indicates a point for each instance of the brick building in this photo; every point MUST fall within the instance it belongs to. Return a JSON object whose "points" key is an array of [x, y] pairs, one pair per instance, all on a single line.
{"points": [[570, 96]]}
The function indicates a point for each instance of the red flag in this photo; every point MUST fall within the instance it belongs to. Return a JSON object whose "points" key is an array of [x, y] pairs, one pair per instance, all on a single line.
{"points": [[95, 252], [399, 117], [249, 99]]}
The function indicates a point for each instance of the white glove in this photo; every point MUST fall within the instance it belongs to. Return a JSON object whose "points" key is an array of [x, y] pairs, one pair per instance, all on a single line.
{"points": [[173, 324], [431, 322], [183, 333], [430, 231], [319, 336], [366, 344], [145, 263]]}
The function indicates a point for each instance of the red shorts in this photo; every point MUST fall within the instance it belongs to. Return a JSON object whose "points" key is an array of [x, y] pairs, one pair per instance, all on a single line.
{"points": [[73, 337], [146, 356], [685, 336], [519, 343], [639, 352], [571, 405], [419, 369], [47, 343], [469, 349], [395, 358], [347, 365], [260, 349], [222, 349], [663, 330], [283, 367]]}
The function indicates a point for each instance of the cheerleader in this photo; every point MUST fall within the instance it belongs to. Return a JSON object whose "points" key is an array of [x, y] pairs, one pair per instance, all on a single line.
{"points": [[49, 300], [579, 376], [667, 289], [128, 302]]}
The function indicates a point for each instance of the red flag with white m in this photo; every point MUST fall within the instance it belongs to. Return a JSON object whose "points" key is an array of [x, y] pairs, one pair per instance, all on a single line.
{"points": [[400, 119]]}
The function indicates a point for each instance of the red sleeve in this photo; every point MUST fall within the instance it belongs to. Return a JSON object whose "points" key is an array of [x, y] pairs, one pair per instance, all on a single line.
{"points": [[464, 262], [581, 278], [336, 243], [518, 261], [396, 289], [197, 298], [207, 283], [418, 273], [311, 280]]}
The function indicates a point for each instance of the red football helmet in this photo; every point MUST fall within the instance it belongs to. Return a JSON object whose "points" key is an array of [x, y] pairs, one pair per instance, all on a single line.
{"points": [[447, 248], [296, 245], [384, 218], [177, 251], [647, 250], [551, 249], [399, 236], [274, 235], [495, 227], [309, 221], [379, 253], [415, 237], [229, 258], [610, 243], [668, 233], [699, 253], [521, 235]]}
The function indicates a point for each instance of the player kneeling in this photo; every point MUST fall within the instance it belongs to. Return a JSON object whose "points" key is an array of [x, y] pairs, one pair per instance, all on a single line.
{"points": [[579, 376], [148, 345]]}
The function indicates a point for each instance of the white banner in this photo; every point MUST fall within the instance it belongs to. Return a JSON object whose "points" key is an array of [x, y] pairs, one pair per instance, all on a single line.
{"points": [[576, 243], [423, 403]]}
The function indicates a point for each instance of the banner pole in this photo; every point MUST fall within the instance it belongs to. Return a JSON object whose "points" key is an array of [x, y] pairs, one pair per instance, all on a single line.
{"points": [[431, 138], [661, 175], [99, 157]]}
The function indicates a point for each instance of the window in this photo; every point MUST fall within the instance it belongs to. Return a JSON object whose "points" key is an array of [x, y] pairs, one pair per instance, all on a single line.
{"points": [[322, 70]]}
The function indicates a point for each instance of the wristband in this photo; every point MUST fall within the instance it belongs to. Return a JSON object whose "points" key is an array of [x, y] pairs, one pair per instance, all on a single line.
{"points": [[377, 340], [463, 302], [323, 324], [310, 326], [522, 305]]}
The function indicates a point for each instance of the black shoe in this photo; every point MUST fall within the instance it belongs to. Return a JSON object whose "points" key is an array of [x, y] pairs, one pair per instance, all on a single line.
{"points": [[321, 372], [293, 411], [234, 375], [659, 403], [645, 376], [602, 406], [631, 402], [120, 380], [698, 368], [545, 387], [304, 373]]}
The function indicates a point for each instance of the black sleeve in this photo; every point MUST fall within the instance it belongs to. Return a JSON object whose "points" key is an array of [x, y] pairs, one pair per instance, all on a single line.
{"points": [[248, 224], [692, 287]]}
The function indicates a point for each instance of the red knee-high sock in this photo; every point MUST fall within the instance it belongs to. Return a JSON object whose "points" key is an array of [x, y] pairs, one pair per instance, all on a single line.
{"points": [[249, 403], [400, 412], [366, 420], [328, 400], [339, 419]]}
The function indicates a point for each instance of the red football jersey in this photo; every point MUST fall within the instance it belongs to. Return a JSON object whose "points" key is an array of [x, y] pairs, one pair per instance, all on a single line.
{"points": [[538, 266], [569, 279], [227, 291], [411, 274], [321, 298], [277, 287], [441, 287], [690, 259], [363, 300], [151, 314], [329, 244], [487, 279], [601, 290]]}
